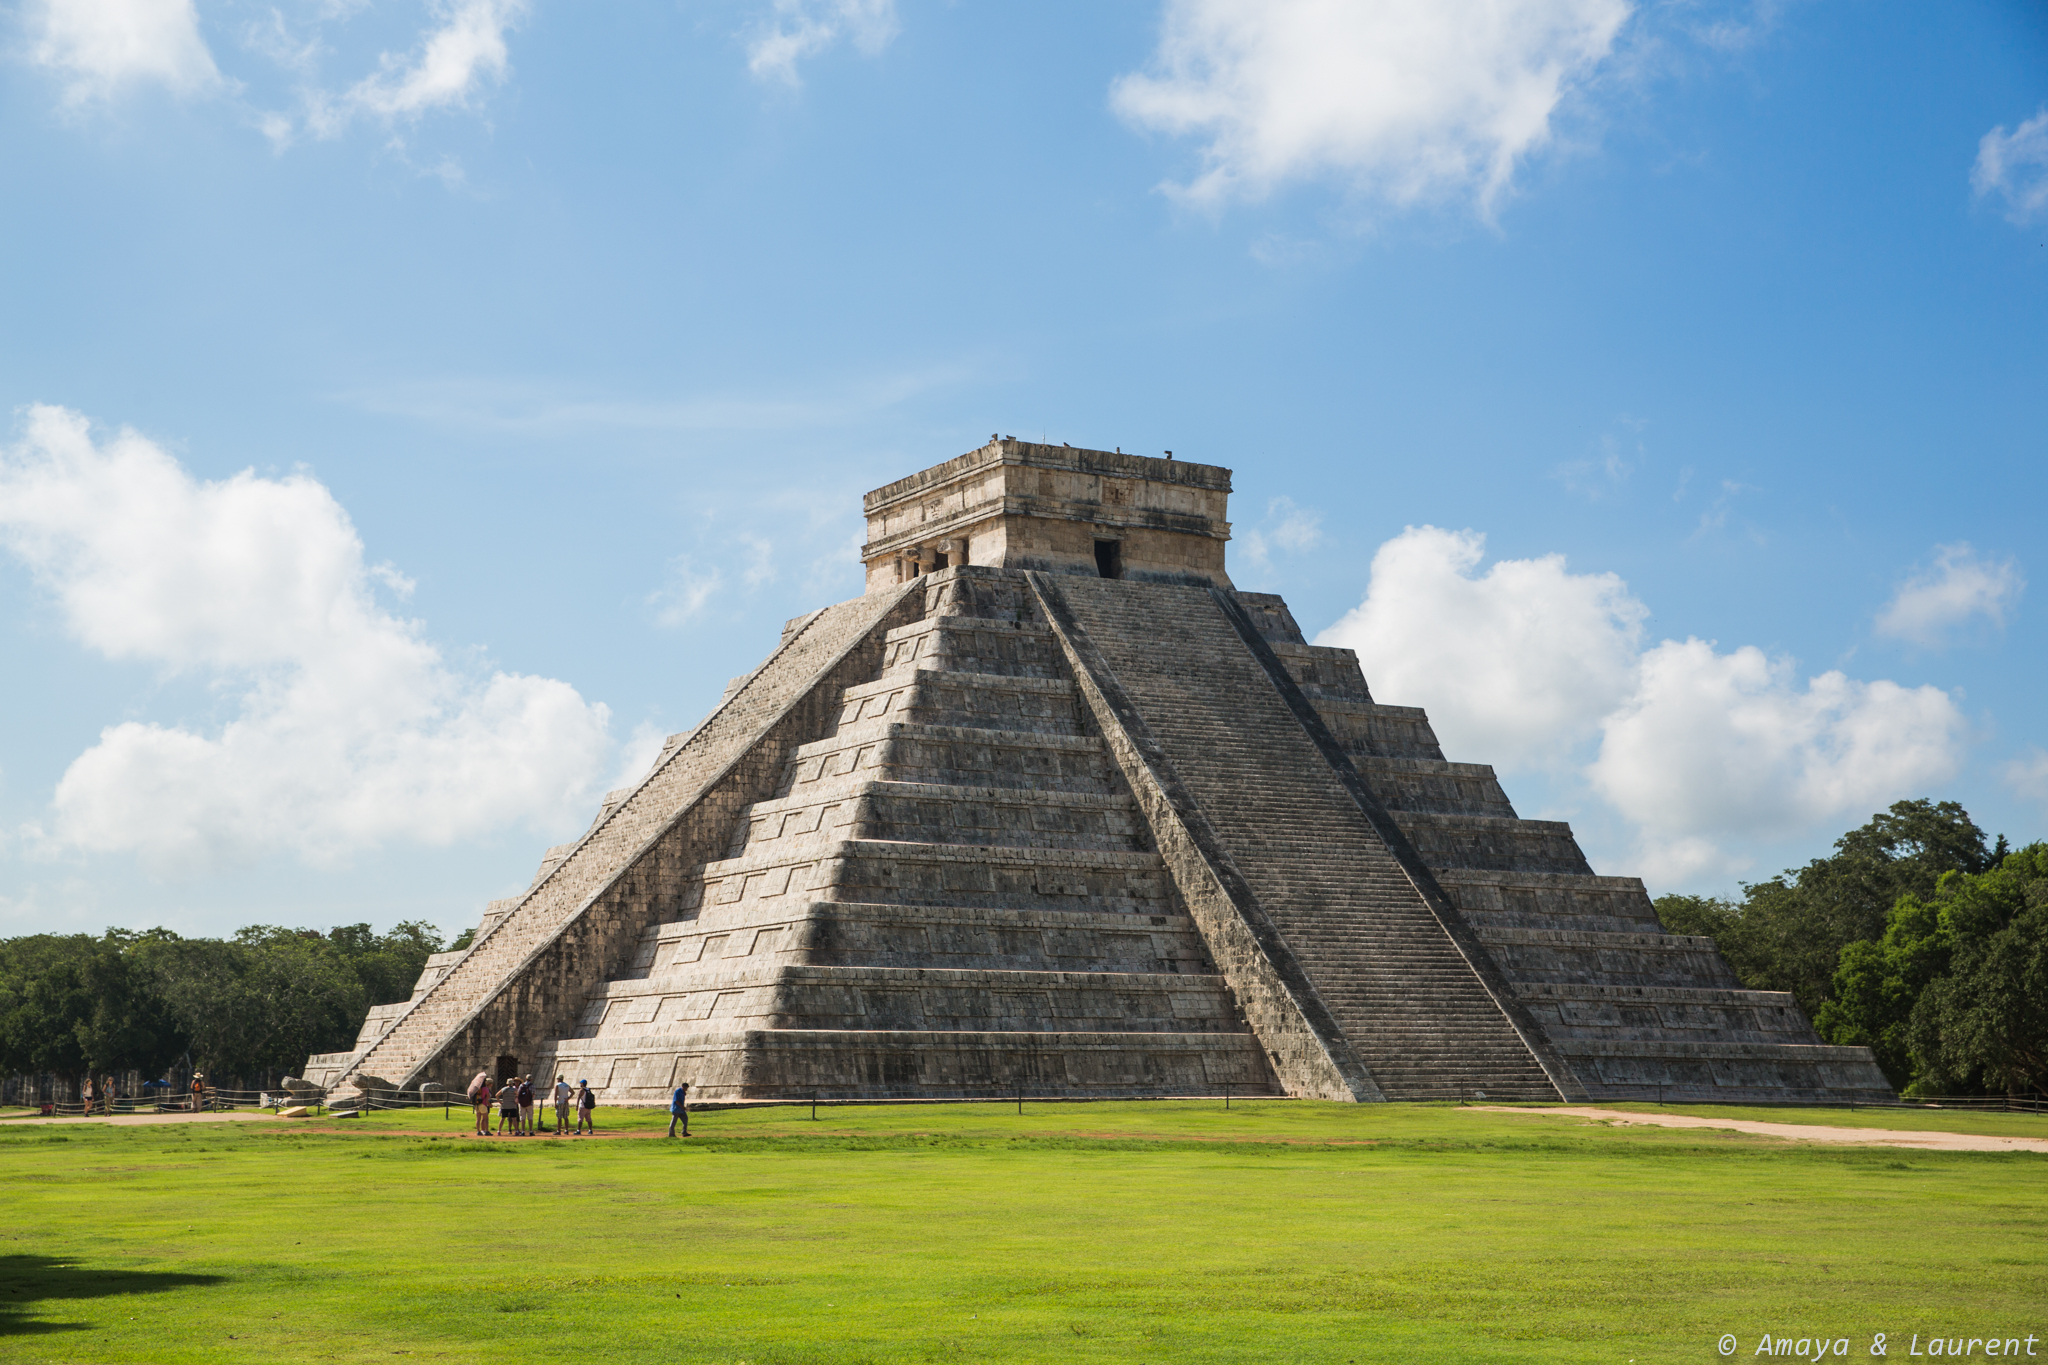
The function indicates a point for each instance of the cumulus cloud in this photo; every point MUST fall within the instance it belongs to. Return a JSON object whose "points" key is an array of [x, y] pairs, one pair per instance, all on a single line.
{"points": [[1532, 666], [2014, 166], [1402, 100], [1958, 588], [350, 729], [803, 28], [102, 46], [1716, 745], [1519, 663]]}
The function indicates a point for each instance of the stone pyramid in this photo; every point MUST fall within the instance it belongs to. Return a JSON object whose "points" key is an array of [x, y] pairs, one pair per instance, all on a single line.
{"points": [[1052, 809]]}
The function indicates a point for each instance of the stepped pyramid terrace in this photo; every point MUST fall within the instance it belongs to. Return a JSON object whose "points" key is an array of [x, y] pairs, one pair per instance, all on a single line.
{"points": [[1053, 809]]}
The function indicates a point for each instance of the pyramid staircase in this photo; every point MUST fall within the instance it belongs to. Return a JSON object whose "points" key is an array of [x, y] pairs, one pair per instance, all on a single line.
{"points": [[949, 893], [1635, 1012]]}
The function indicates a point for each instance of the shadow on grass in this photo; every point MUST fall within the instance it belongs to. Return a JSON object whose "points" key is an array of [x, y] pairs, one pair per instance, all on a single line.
{"points": [[26, 1281]]}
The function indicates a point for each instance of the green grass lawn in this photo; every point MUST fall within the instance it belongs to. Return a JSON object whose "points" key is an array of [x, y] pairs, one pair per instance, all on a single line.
{"points": [[1171, 1232]]}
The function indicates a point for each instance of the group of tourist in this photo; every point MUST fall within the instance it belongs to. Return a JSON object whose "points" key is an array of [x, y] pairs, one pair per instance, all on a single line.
{"points": [[515, 1101]]}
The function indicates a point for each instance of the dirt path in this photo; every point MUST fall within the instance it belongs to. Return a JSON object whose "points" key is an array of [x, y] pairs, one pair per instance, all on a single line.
{"points": [[129, 1120], [1797, 1132]]}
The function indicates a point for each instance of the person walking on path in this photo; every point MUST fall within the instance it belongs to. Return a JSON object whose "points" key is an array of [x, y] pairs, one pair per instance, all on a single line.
{"points": [[679, 1109], [480, 1101], [586, 1103], [526, 1128], [108, 1094], [85, 1093], [198, 1091], [562, 1094]]}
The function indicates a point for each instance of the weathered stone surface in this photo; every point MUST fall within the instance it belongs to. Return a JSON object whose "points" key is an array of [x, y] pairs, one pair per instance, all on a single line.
{"points": [[1002, 825]]}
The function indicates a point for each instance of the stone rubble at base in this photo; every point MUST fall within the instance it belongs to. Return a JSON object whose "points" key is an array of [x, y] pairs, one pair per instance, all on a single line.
{"points": [[1053, 809]]}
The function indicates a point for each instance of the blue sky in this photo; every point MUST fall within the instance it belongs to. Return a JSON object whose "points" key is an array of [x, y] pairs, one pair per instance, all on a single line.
{"points": [[418, 409]]}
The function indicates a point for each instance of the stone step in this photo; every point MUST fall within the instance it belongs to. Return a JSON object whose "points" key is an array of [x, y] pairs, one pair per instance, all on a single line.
{"points": [[974, 645], [1434, 786], [936, 813], [1477, 841], [976, 700], [1629, 1068], [955, 755], [936, 874], [1367, 730], [1615, 959], [1536, 900], [811, 997], [733, 1064], [1324, 672]]}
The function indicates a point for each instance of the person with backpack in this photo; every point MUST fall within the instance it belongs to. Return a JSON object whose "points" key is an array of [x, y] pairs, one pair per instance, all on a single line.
{"points": [[526, 1106], [562, 1094], [586, 1103], [679, 1109]]}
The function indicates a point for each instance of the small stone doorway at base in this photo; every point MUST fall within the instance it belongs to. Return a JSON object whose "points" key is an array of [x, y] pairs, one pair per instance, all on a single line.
{"points": [[508, 1067], [1109, 558]]}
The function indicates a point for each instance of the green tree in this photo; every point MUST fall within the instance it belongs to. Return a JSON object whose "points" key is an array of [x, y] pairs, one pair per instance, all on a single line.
{"points": [[44, 999], [1984, 1024], [388, 964], [262, 1002], [128, 1023], [1878, 982], [1787, 933]]}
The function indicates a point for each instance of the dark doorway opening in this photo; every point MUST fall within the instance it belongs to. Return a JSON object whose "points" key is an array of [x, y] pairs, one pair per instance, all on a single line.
{"points": [[1109, 558], [508, 1067]]}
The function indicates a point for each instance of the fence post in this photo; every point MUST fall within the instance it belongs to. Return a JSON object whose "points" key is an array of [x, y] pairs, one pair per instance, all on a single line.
{"points": [[814, 1106], [1020, 1096], [1226, 1094]]}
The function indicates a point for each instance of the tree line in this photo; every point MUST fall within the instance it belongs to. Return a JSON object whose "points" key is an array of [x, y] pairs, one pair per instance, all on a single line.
{"points": [[1916, 938], [259, 1003]]}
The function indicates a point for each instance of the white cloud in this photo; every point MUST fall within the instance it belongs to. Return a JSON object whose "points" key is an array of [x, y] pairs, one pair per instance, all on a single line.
{"points": [[2027, 775], [1403, 100], [1528, 665], [1287, 526], [350, 729], [1714, 746], [689, 588], [466, 52], [2014, 166], [1930, 606], [101, 46], [803, 28], [1517, 664]]}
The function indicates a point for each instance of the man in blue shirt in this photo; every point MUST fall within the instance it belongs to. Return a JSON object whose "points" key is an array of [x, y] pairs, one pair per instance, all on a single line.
{"points": [[679, 1109]]}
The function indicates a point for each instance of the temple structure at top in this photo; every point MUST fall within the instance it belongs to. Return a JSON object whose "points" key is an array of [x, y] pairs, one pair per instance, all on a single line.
{"points": [[1053, 809], [1059, 509]]}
